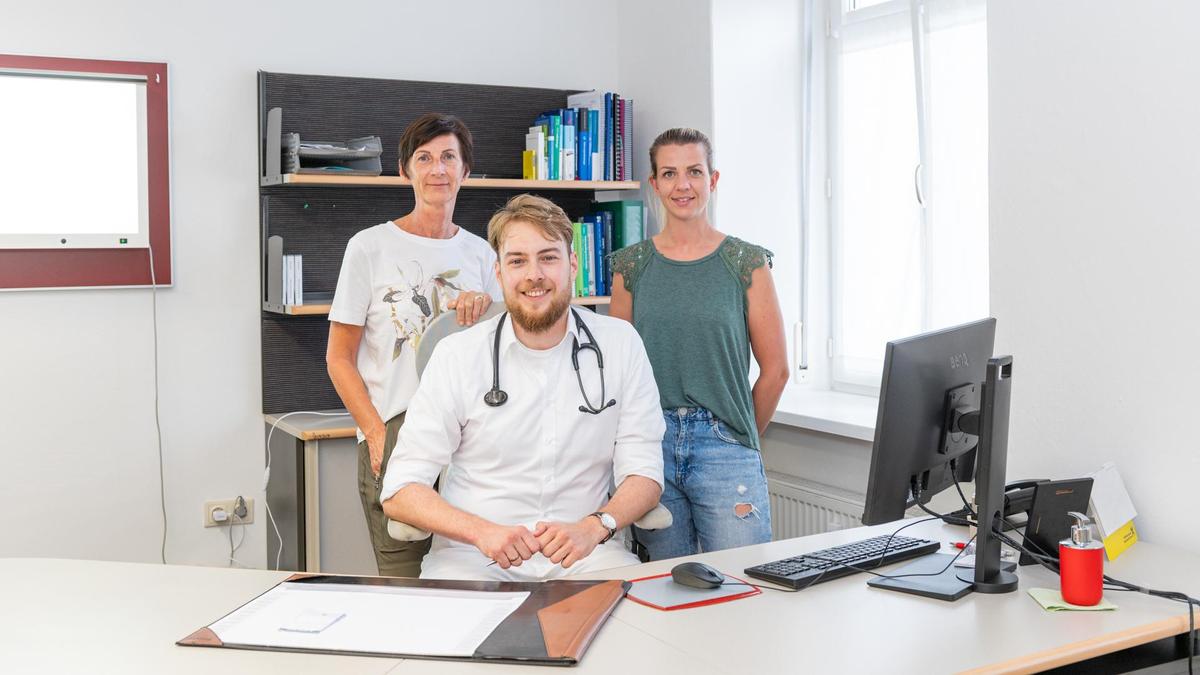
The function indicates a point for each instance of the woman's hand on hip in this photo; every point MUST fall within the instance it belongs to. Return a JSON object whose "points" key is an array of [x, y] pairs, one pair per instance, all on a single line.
{"points": [[375, 442]]}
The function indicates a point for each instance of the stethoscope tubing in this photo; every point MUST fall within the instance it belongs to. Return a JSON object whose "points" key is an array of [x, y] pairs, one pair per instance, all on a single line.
{"points": [[496, 397]]}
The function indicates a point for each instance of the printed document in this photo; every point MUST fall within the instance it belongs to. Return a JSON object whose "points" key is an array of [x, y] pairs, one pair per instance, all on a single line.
{"points": [[382, 619]]}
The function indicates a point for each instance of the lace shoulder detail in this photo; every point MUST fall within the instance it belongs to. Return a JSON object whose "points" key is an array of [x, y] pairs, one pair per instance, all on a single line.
{"points": [[630, 261], [743, 258]]}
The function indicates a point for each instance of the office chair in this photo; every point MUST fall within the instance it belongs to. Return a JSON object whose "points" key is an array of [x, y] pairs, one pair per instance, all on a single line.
{"points": [[657, 518]]}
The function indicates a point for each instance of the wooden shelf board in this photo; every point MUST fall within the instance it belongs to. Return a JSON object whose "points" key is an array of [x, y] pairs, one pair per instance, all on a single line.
{"points": [[471, 183], [591, 300], [313, 310]]}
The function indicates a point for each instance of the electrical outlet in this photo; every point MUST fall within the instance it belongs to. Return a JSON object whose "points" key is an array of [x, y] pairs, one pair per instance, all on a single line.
{"points": [[228, 505]]}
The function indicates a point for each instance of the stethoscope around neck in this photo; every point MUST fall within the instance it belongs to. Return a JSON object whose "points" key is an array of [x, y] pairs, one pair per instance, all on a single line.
{"points": [[497, 397]]}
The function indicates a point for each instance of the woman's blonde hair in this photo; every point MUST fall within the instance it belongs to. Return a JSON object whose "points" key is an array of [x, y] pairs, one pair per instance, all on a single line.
{"points": [[680, 136], [539, 211]]}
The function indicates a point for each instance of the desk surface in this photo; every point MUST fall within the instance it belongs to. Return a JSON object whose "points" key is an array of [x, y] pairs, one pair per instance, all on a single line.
{"points": [[846, 626], [309, 427], [72, 616]]}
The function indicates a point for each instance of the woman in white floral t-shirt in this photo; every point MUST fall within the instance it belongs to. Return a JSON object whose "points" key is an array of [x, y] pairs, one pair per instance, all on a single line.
{"points": [[396, 278]]}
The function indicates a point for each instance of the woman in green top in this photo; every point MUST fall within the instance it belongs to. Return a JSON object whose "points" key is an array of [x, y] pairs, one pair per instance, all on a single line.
{"points": [[703, 302]]}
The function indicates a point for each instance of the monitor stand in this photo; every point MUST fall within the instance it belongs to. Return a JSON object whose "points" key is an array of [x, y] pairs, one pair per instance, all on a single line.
{"points": [[949, 585], [945, 586], [992, 458], [990, 423]]}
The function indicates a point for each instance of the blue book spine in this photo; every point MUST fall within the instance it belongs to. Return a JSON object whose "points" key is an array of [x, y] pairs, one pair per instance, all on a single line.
{"points": [[597, 224], [584, 153], [606, 220], [597, 172], [568, 146]]}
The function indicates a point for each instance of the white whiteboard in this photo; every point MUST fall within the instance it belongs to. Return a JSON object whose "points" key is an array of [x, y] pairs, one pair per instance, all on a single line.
{"points": [[72, 161]]}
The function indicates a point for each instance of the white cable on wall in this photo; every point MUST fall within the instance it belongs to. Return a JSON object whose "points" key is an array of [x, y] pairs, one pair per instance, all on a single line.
{"points": [[162, 492]]}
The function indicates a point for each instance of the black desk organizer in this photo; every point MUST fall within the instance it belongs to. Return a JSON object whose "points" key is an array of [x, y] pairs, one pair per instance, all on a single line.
{"points": [[318, 221]]}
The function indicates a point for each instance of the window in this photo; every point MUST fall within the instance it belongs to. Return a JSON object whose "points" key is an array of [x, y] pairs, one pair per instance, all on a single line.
{"points": [[906, 142]]}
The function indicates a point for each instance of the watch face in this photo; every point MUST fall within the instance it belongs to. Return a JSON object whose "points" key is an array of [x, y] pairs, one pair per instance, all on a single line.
{"points": [[608, 521]]}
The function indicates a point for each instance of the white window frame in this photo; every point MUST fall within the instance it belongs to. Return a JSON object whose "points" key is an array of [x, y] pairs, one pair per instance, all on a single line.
{"points": [[830, 22]]}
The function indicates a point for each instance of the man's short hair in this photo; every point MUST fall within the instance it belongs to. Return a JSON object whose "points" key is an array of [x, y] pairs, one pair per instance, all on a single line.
{"points": [[538, 211], [428, 127]]}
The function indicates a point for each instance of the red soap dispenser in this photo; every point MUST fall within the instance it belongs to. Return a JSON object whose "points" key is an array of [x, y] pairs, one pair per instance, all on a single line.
{"points": [[1081, 564]]}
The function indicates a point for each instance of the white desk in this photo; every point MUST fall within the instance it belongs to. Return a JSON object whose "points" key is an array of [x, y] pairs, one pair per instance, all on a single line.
{"points": [[87, 616], [846, 626]]}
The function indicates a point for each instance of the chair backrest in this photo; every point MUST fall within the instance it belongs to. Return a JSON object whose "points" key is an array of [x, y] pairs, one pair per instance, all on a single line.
{"points": [[445, 324]]}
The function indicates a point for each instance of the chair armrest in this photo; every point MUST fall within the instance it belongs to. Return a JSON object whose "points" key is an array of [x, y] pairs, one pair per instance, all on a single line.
{"points": [[657, 518], [405, 532]]}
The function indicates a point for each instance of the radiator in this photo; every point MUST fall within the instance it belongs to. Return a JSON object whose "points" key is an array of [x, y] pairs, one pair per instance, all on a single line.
{"points": [[800, 508]]}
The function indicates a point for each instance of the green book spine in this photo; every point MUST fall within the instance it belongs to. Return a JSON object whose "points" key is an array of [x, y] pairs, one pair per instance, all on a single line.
{"points": [[589, 254], [556, 150], [577, 247], [627, 221]]}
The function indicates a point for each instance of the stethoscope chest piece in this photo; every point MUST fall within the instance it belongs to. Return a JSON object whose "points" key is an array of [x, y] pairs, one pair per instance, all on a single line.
{"points": [[495, 398]]}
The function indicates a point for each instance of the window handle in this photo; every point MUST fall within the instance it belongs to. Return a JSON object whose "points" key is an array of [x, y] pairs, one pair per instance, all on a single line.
{"points": [[917, 184]]}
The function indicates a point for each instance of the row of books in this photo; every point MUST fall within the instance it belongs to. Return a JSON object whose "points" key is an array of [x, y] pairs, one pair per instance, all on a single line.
{"points": [[610, 227], [293, 279], [590, 139]]}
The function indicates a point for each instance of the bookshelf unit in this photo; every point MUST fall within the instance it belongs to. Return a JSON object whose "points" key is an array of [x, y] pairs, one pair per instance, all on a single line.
{"points": [[317, 214], [322, 309], [517, 184]]}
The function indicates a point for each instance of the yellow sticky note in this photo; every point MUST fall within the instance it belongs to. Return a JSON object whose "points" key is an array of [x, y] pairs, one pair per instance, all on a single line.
{"points": [[1116, 543]]}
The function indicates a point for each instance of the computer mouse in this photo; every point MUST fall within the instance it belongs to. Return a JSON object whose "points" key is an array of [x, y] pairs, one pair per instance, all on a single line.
{"points": [[696, 575]]}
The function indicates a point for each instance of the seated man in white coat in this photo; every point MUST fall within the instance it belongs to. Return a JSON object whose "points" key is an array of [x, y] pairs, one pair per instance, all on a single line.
{"points": [[532, 456]]}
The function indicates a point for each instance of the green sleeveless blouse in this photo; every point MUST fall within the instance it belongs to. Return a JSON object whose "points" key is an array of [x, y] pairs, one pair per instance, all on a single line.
{"points": [[692, 318]]}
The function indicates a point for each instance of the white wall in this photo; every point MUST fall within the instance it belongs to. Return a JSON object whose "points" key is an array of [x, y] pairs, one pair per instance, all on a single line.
{"points": [[1094, 237], [79, 469], [665, 66], [757, 77]]}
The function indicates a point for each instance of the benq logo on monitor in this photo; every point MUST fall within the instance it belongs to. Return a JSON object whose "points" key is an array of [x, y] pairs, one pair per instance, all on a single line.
{"points": [[959, 361]]}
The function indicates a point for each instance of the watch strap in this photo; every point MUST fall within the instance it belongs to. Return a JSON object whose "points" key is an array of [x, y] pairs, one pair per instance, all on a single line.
{"points": [[611, 531]]}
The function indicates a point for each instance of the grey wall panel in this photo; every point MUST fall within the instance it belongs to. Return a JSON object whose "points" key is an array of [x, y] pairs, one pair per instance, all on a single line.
{"points": [[316, 222]]}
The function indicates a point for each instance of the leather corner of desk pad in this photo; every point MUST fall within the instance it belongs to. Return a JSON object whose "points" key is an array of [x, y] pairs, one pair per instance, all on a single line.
{"points": [[569, 624], [205, 637], [300, 576], [522, 636]]}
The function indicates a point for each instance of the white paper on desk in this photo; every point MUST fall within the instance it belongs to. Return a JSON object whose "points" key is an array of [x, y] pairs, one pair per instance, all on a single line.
{"points": [[1111, 506], [382, 619]]}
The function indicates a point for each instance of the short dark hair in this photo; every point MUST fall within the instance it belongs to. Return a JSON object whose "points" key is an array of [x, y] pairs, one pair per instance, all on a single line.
{"points": [[680, 136], [428, 127]]}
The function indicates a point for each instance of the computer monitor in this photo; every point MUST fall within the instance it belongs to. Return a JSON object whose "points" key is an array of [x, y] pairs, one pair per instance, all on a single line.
{"points": [[910, 428], [943, 413]]}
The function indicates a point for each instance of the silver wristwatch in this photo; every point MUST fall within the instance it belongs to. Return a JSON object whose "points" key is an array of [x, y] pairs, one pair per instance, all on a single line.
{"points": [[608, 522]]}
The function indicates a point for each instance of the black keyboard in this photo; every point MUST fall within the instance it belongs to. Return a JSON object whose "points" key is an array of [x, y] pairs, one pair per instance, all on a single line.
{"points": [[805, 570]]}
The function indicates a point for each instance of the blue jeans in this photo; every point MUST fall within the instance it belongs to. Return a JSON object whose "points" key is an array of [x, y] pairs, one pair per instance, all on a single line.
{"points": [[715, 489]]}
